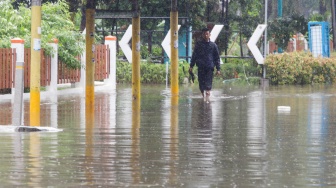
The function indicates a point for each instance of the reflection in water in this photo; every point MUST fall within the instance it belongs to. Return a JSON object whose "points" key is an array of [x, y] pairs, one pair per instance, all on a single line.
{"points": [[34, 163], [201, 144], [317, 130], [135, 154], [174, 140], [256, 135], [238, 140], [89, 145], [53, 110], [18, 157], [256, 130]]}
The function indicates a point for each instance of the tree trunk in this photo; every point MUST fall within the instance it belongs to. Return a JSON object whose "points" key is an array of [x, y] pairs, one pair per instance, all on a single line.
{"points": [[150, 39], [333, 23], [323, 8]]}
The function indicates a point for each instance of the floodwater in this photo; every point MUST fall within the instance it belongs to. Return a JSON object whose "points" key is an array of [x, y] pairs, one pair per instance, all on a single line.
{"points": [[246, 137]]}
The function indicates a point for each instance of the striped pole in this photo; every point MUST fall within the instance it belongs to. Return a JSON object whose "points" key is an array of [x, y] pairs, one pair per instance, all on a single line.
{"points": [[17, 113], [111, 41], [54, 67]]}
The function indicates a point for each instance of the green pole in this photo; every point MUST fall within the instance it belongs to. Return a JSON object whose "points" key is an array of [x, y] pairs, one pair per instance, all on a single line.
{"points": [[279, 8]]}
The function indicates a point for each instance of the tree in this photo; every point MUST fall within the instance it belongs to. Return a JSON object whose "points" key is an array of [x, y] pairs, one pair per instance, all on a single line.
{"points": [[56, 23], [282, 29]]}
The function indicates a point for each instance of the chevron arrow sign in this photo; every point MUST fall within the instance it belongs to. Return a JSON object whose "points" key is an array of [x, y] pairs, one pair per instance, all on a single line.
{"points": [[123, 43], [166, 43], [252, 43]]}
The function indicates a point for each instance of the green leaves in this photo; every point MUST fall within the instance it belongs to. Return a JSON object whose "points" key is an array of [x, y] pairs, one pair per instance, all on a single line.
{"points": [[56, 23], [150, 73], [282, 29], [299, 68]]}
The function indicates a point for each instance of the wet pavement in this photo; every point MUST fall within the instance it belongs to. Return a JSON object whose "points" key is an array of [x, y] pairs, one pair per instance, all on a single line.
{"points": [[246, 137]]}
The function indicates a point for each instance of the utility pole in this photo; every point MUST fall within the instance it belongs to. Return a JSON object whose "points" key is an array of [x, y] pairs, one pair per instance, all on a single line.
{"points": [[90, 61], [136, 51], [174, 48], [333, 13], [265, 38], [35, 63]]}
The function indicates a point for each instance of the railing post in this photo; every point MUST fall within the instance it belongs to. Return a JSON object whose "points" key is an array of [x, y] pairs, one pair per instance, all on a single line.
{"points": [[17, 92], [54, 67], [111, 42]]}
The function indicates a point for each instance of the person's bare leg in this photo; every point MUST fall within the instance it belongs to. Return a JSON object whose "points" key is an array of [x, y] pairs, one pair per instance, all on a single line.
{"points": [[207, 92], [203, 94]]}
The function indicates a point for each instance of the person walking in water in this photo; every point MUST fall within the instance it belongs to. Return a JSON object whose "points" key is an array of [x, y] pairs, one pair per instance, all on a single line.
{"points": [[206, 57]]}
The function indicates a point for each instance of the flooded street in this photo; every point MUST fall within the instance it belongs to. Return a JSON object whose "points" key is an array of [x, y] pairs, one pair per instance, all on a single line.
{"points": [[246, 137]]}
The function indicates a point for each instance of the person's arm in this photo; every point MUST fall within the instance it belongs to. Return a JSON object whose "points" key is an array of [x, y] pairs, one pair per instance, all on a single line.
{"points": [[193, 57], [217, 59]]}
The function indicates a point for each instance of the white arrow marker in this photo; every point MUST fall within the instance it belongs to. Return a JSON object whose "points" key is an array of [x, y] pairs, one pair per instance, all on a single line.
{"points": [[166, 43], [123, 43], [215, 32], [252, 43]]}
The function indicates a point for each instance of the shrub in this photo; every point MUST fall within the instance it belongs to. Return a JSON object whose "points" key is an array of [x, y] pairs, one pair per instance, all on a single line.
{"points": [[299, 68], [155, 73]]}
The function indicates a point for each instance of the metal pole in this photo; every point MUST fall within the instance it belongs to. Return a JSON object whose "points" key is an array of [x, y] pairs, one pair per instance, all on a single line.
{"points": [[226, 25], [17, 113], [35, 63], [279, 8], [90, 61], [136, 51], [223, 7], [174, 48], [265, 40]]}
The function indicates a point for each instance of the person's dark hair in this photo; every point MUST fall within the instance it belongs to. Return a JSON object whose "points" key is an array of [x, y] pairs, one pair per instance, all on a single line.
{"points": [[205, 30]]}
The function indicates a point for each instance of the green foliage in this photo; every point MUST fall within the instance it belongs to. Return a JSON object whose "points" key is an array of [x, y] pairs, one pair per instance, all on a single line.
{"points": [[56, 23], [282, 29], [240, 68], [151, 73], [300, 68], [317, 17], [14, 23], [124, 72]]}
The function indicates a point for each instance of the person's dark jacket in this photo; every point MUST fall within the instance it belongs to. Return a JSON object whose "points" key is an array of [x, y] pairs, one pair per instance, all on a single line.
{"points": [[205, 55]]}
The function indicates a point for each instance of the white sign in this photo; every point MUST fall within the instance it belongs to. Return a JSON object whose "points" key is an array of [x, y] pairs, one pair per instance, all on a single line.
{"points": [[166, 43], [123, 43], [37, 44], [215, 32], [252, 43]]}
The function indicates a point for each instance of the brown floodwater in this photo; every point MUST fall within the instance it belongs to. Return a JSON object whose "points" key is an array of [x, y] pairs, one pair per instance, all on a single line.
{"points": [[246, 136]]}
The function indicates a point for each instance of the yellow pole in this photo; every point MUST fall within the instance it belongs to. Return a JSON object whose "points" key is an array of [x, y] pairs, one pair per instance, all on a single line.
{"points": [[136, 52], [34, 165], [174, 139], [174, 48], [90, 62], [89, 144], [89, 83], [35, 63], [136, 171]]}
